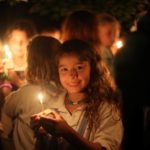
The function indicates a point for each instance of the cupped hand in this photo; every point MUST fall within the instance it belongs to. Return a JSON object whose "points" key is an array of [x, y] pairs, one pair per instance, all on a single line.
{"points": [[55, 125], [35, 124]]}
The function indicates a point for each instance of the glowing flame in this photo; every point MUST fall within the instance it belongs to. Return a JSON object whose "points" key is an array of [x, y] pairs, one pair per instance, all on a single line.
{"points": [[40, 97], [119, 44], [7, 52]]}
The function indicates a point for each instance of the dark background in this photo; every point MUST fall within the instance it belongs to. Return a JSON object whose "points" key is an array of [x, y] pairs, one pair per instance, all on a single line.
{"points": [[46, 12]]}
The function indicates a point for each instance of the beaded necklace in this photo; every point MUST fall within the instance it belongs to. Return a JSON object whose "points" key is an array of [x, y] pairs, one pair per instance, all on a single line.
{"points": [[70, 102]]}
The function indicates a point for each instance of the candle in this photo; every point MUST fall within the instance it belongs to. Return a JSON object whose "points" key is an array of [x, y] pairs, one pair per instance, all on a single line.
{"points": [[7, 58], [119, 44], [7, 52], [40, 98]]}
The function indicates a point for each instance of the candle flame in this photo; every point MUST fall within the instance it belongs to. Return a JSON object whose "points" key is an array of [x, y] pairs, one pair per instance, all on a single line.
{"points": [[40, 98], [7, 52], [119, 44]]}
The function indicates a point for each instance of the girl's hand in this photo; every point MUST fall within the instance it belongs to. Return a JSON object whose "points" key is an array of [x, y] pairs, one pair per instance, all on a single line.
{"points": [[35, 124], [55, 125], [35, 121]]}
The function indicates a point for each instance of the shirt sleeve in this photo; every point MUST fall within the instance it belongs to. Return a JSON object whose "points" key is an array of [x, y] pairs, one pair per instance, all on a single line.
{"points": [[110, 131], [8, 114]]}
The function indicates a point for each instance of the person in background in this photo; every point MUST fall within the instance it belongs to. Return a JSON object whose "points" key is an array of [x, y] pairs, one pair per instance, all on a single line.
{"points": [[109, 30], [88, 116], [133, 79], [51, 31], [83, 25], [16, 39], [33, 97]]}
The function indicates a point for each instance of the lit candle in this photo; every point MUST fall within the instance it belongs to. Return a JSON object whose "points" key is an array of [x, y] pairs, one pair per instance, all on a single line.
{"points": [[7, 58], [7, 52], [119, 44], [40, 98]]}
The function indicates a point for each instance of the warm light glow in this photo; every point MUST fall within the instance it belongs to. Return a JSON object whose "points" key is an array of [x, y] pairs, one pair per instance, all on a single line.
{"points": [[7, 60], [40, 97], [8, 54], [119, 44]]}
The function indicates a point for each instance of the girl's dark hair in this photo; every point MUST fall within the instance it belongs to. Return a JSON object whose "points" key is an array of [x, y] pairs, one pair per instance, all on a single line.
{"points": [[40, 58], [24, 25], [100, 88], [81, 24]]}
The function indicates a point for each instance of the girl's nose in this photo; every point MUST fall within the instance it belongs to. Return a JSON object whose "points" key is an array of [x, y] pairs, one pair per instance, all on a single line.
{"points": [[73, 73]]}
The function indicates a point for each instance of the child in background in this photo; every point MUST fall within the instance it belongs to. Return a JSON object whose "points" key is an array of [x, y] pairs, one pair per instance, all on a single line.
{"points": [[24, 102], [83, 25], [16, 38], [88, 115], [109, 30], [51, 31], [12, 69]]}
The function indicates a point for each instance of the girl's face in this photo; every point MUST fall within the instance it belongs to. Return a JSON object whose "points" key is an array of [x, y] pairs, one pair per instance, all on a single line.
{"points": [[18, 43], [74, 74], [108, 34]]}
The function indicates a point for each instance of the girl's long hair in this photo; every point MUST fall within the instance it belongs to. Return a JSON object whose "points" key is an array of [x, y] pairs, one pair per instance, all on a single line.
{"points": [[24, 25], [40, 59], [84, 25], [100, 88]]}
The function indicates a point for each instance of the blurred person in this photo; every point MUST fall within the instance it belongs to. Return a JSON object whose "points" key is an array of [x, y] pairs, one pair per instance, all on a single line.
{"points": [[17, 37], [83, 25], [88, 116], [21, 104], [109, 30], [16, 40], [51, 31], [133, 79]]}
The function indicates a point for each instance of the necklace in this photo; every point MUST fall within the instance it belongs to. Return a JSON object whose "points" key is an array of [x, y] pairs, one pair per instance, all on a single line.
{"points": [[70, 102]]}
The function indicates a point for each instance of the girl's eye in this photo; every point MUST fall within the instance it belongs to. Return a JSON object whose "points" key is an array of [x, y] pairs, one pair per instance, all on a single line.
{"points": [[63, 70], [79, 68]]}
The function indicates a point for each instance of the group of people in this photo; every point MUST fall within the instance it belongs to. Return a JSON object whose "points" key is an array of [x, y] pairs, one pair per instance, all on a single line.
{"points": [[67, 97]]}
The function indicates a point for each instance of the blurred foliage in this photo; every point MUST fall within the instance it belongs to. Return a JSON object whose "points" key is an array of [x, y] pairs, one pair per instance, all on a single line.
{"points": [[126, 11]]}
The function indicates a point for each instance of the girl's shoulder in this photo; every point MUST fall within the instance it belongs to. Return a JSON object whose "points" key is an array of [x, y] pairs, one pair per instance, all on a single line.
{"points": [[24, 90], [109, 109], [50, 87]]}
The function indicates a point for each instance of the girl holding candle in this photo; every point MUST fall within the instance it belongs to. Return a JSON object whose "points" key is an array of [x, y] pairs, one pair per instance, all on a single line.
{"points": [[16, 39], [109, 31], [21, 104], [88, 115]]}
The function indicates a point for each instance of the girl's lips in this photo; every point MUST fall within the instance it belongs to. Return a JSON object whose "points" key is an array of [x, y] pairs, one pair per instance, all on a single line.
{"points": [[74, 84]]}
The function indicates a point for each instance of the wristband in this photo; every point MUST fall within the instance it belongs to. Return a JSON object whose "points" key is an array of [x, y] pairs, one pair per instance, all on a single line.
{"points": [[8, 85]]}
